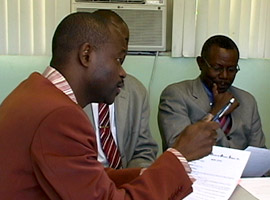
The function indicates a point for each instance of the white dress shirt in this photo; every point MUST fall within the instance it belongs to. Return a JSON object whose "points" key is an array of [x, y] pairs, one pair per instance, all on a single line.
{"points": [[101, 156]]}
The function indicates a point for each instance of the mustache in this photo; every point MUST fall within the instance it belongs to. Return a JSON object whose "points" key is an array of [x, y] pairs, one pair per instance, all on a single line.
{"points": [[121, 83], [227, 83], [220, 82]]}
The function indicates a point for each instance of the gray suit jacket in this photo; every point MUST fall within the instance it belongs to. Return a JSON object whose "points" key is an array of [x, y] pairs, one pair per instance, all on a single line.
{"points": [[187, 102], [136, 145]]}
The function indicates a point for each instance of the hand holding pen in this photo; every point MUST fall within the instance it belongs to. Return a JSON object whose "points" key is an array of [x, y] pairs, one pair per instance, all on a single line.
{"points": [[221, 100], [223, 110]]}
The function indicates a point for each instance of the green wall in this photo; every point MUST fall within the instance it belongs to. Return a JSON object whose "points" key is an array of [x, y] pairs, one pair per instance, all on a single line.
{"points": [[155, 73]]}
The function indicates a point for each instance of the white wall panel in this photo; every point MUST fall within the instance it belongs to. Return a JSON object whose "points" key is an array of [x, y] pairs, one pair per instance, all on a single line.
{"points": [[177, 27], [267, 33], [224, 17], [189, 27], [39, 26], [13, 25], [27, 26], [50, 24], [201, 25], [245, 21], [244, 28], [62, 8], [3, 27], [263, 28], [213, 17]]}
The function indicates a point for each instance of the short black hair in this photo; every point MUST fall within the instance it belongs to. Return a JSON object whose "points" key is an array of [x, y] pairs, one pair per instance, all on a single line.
{"points": [[220, 41], [77, 29], [111, 15], [114, 18]]}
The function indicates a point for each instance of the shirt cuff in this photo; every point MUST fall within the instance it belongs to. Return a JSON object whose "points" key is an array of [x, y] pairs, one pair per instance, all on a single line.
{"points": [[183, 161], [142, 170]]}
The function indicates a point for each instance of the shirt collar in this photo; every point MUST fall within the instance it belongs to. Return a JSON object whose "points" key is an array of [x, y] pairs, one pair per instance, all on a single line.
{"points": [[59, 81], [208, 92]]}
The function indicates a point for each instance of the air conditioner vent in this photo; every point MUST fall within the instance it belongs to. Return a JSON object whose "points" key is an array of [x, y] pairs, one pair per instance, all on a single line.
{"points": [[149, 25], [112, 1]]}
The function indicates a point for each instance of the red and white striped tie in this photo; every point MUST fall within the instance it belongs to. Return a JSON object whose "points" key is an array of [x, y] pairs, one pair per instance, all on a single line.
{"points": [[225, 123], [108, 144]]}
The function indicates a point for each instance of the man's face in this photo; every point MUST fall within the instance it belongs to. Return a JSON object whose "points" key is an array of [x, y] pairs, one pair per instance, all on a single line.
{"points": [[123, 30], [107, 74], [220, 67]]}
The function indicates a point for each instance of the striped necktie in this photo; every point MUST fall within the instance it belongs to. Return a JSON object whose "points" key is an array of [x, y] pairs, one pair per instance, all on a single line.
{"points": [[107, 142], [225, 123]]}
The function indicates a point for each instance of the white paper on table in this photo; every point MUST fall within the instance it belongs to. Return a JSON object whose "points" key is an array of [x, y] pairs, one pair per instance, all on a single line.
{"points": [[258, 187], [258, 163], [217, 174]]}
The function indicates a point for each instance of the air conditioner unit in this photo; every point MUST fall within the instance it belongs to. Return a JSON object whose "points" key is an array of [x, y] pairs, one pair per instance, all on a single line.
{"points": [[113, 1], [149, 23]]}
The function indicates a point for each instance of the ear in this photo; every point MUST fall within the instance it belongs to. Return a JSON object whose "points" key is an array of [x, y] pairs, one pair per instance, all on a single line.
{"points": [[84, 54], [200, 62]]}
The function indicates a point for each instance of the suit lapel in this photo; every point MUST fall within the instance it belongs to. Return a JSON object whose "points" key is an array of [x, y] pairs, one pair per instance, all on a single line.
{"points": [[235, 114], [121, 113], [200, 95], [89, 112]]}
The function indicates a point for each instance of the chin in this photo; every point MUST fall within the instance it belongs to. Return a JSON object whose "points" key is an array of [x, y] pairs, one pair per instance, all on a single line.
{"points": [[222, 90], [110, 100]]}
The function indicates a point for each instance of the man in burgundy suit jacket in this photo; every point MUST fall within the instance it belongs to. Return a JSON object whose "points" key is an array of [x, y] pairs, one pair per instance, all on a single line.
{"points": [[48, 146]]}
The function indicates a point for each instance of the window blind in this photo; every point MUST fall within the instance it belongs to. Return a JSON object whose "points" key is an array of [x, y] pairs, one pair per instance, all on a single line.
{"points": [[27, 26], [247, 22]]}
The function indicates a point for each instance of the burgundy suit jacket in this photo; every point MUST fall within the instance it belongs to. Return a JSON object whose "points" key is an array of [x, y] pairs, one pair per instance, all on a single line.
{"points": [[48, 151]]}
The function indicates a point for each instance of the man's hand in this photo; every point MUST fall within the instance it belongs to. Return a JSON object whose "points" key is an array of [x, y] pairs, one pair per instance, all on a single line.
{"points": [[221, 99], [197, 140]]}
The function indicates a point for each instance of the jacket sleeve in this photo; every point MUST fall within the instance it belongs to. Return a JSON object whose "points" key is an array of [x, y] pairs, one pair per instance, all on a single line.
{"points": [[64, 159], [256, 136], [122, 176], [173, 115]]}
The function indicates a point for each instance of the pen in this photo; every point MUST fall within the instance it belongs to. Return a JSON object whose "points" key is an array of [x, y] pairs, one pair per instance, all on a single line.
{"points": [[223, 110]]}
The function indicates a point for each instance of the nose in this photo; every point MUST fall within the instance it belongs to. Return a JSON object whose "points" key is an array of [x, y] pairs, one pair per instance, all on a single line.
{"points": [[223, 74], [122, 73]]}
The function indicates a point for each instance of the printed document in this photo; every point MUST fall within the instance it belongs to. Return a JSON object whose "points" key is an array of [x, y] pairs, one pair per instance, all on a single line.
{"points": [[258, 163], [217, 174]]}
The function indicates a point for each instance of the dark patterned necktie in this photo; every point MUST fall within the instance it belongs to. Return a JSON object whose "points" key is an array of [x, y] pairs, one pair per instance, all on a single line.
{"points": [[108, 144]]}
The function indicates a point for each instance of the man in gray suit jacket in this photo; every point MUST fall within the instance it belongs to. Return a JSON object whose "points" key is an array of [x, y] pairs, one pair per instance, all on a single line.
{"points": [[130, 116], [189, 101], [131, 113]]}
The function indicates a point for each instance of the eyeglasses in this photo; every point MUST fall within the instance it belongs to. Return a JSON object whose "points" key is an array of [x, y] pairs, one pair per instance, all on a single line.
{"points": [[219, 69]]}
